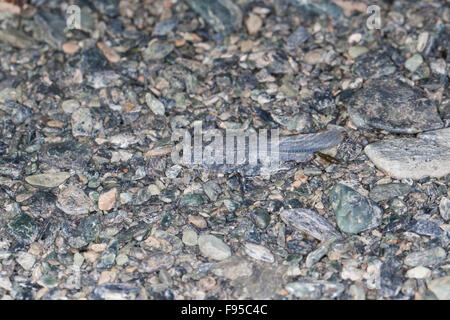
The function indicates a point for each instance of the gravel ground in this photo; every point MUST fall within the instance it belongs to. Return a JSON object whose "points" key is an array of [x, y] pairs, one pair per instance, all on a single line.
{"points": [[93, 205]]}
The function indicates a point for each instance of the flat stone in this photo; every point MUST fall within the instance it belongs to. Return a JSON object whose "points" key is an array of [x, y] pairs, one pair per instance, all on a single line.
{"points": [[356, 51], [310, 222], [441, 287], [107, 199], [440, 137], [154, 104], [409, 158], [213, 247], [388, 191], [74, 201], [354, 213], [48, 180], [419, 272], [157, 50], [190, 237], [426, 257], [392, 105], [258, 252], [26, 260], [222, 15]]}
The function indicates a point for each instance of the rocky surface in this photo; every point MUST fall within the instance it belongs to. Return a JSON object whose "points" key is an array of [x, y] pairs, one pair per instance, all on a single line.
{"points": [[93, 205]]}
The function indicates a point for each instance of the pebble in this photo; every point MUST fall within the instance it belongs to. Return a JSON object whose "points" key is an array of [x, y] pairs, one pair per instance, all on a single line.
{"points": [[409, 158], [165, 26], [297, 37], [388, 191], [413, 63], [258, 252], [191, 200], [70, 47], [73, 201], [69, 106], [253, 23], [107, 199], [310, 222], [26, 260], [419, 272], [356, 51], [392, 105], [190, 237], [82, 122], [354, 213], [222, 15], [214, 248], [157, 50], [48, 180], [425, 258], [154, 104]]}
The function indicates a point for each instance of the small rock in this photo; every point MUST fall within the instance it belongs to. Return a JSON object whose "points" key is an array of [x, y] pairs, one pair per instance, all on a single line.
{"points": [[388, 191], [165, 26], [253, 23], [354, 213], [24, 228], [191, 200], [356, 51], [419, 272], [26, 260], [154, 104], [409, 158], [69, 106], [392, 105], [157, 50], [107, 199], [258, 252], [74, 201], [48, 180], [414, 62], [214, 248], [70, 47], [425, 258], [82, 122], [190, 237], [222, 15]]}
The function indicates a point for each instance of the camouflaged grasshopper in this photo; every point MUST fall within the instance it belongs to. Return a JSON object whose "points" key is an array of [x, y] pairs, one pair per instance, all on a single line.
{"points": [[246, 152]]}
